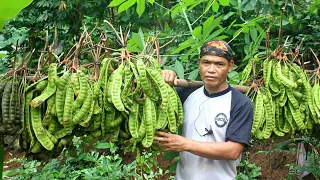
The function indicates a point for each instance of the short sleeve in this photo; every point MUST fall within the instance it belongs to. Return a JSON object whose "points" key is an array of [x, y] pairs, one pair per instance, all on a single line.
{"points": [[184, 93], [241, 118]]}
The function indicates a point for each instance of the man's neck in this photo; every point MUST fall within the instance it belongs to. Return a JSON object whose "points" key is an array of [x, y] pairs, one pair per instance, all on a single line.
{"points": [[220, 88]]}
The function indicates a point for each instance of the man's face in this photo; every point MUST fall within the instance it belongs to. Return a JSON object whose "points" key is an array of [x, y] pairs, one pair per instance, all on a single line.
{"points": [[214, 71]]}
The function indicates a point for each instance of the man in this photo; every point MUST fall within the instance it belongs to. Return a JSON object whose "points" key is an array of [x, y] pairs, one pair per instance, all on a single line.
{"points": [[217, 122]]}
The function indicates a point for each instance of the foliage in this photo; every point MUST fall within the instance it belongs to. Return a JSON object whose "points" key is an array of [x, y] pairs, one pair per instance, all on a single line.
{"points": [[248, 171], [149, 167], [311, 165], [100, 162], [311, 156]]}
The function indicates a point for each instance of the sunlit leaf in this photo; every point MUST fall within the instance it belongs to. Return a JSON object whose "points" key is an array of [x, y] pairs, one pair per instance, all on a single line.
{"points": [[151, 1], [197, 32], [10, 9], [216, 21], [245, 29], [115, 3], [224, 2], [208, 26], [126, 5], [3, 53], [215, 6], [140, 7]]}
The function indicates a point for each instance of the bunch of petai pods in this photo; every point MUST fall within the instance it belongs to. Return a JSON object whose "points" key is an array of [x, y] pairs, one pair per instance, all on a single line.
{"points": [[286, 102], [128, 103], [12, 108]]}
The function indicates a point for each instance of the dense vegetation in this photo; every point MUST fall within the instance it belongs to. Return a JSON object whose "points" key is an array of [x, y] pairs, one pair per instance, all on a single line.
{"points": [[50, 30]]}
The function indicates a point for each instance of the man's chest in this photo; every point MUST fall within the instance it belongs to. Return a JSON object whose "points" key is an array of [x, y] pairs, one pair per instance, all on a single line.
{"points": [[205, 116]]}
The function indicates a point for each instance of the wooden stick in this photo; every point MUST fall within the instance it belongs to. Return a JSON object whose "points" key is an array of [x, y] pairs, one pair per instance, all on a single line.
{"points": [[186, 83], [191, 83]]}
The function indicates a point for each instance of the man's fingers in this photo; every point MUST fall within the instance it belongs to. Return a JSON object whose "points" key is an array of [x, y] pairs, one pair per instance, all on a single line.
{"points": [[160, 144], [164, 134], [162, 139], [169, 76], [175, 82]]}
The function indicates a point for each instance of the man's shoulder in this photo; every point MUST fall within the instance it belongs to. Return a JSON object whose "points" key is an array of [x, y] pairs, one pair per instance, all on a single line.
{"points": [[185, 92], [240, 98]]}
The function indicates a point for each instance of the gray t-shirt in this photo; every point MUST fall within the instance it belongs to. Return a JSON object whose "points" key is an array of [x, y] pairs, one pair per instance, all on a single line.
{"points": [[219, 117]]}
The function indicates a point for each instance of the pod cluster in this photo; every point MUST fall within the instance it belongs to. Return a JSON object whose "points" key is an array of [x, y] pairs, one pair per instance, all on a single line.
{"points": [[126, 104], [286, 102], [11, 109]]}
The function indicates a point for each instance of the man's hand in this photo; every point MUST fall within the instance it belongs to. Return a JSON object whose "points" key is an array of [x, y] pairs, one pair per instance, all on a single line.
{"points": [[169, 77], [172, 142]]}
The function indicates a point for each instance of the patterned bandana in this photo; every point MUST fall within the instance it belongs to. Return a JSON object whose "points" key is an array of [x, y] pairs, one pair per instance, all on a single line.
{"points": [[217, 48]]}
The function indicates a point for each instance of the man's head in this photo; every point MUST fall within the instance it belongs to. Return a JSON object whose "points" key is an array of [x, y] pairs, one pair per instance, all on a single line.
{"points": [[215, 63]]}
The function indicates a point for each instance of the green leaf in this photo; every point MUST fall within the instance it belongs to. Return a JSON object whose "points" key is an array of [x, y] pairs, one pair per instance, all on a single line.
{"points": [[102, 145], [142, 41], [175, 10], [151, 1], [215, 6], [222, 37], [195, 50], [209, 4], [178, 67], [224, 2], [247, 38], [184, 45], [234, 77], [126, 5], [3, 53], [194, 4], [197, 32], [12, 172], [208, 27], [225, 17], [173, 166], [140, 7], [285, 21], [246, 48], [10, 9], [253, 33], [237, 33], [215, 34], [217, 21], [245, 29], [115, 3], [193, 74]]}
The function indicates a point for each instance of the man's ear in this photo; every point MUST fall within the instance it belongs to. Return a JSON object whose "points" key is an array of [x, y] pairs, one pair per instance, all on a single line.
{"points": [[231, 63], [199, 63]]}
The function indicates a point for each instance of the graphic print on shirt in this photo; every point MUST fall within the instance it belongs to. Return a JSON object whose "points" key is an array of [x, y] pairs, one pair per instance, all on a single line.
{"points": [[221, 120]]}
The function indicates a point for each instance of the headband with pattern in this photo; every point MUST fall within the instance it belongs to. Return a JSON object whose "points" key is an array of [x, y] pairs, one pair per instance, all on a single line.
{"points": [[217, 48]]}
